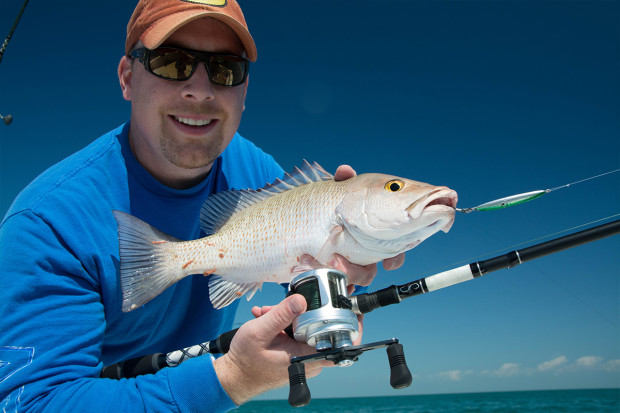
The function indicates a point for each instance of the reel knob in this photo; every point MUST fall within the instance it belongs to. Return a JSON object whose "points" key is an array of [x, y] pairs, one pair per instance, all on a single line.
{"points": [[299, 393], [400, 376]]}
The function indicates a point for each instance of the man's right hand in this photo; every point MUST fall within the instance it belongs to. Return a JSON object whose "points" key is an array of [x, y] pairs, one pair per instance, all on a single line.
{"points": [[260, 352]]}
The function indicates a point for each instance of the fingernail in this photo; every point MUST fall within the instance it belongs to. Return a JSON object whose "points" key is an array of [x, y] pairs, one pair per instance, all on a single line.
{"points": [[294, 306]]}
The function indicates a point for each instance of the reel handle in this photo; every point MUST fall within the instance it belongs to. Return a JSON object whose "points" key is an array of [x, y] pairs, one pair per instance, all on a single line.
{"points": [[400, 376], [299, 393]]}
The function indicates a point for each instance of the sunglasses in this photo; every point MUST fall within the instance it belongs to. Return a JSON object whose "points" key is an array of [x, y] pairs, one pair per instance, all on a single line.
{"points": [[174, 63]]}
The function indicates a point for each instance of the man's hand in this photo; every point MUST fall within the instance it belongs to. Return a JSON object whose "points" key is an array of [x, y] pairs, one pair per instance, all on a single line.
{"points": [[260, 352]]}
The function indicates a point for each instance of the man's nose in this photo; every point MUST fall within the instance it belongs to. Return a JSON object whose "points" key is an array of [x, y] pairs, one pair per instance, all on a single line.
{"points": [[198, 87]]}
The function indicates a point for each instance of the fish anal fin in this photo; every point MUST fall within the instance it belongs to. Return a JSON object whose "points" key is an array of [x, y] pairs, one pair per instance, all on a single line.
{"points": [[223, 292], [250, 294]]}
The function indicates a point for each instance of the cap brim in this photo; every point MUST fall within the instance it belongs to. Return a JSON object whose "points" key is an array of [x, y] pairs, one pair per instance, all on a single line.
{"points": [[161, 30]]}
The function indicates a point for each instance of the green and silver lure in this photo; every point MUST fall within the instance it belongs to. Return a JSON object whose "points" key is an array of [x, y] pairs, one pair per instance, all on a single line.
{"points": [[521, 198]]}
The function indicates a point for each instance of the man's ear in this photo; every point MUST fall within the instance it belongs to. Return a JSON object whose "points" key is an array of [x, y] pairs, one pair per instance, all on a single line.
{"points": [[124, 77]]}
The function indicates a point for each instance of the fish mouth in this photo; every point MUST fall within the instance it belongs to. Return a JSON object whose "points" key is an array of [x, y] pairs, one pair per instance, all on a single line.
{"points": [[438, 207]]}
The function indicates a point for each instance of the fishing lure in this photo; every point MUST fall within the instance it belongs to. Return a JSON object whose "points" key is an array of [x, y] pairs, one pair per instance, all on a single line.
{"points": [[521, 198]]}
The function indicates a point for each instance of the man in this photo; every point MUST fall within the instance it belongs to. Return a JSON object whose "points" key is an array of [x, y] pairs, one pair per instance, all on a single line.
{"points": [[185, 73]]}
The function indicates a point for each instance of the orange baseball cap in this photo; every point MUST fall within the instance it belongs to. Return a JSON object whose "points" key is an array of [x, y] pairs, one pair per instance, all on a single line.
{"points": [[153, 21]]}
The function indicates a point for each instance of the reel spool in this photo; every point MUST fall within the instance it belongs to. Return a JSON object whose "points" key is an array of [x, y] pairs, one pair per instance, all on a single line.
{"points": [[330, 325]]}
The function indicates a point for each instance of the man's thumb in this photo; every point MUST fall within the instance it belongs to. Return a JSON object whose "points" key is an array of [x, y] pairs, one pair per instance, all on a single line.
{"points": [[283, 314]]}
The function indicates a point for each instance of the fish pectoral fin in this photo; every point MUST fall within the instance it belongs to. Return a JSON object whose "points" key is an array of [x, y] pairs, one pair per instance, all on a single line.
{"points": [[223, 292], [327, 250]]}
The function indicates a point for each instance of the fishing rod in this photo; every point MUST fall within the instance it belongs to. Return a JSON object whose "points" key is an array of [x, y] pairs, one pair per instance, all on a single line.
{"points": [[330, 322], [8, 37]]}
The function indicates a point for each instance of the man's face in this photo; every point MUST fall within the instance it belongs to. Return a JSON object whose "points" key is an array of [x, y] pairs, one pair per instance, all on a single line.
{"points": [[178, 128]]}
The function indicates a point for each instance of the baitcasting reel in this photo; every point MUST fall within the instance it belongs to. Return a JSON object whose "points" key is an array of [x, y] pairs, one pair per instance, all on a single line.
{"points": [[330, 325], [328, 321]]}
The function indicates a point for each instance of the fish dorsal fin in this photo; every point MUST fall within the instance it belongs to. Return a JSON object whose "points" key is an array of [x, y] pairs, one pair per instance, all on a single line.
{"points": [[299, 176], [218, 208]]}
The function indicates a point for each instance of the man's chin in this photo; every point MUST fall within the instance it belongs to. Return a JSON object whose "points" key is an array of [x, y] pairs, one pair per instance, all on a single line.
{"points": [[191, 158]]}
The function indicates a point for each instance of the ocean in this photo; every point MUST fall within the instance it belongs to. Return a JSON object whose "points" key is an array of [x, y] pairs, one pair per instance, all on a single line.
{"points": [[547, 401]]}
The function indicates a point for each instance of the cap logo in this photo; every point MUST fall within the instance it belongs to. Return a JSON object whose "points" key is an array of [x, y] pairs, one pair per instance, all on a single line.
{"points": [[216, 3]]}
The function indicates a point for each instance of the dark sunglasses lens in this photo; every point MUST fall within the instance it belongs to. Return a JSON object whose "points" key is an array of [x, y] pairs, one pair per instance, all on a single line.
{"points": [[226, 70], [171, 63], [176, 64]]}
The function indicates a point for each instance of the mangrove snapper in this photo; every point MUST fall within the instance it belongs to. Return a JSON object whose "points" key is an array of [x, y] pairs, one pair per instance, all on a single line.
{"points": [[260, 235]]}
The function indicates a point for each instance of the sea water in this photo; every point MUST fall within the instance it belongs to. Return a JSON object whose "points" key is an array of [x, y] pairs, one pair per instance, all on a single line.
{"points": [[547, 401]]}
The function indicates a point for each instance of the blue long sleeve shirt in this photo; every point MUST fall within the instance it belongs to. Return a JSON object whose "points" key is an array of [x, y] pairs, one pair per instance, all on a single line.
{"points": [[60, 298]]}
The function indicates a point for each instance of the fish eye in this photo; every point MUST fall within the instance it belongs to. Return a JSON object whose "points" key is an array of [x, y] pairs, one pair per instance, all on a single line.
{"points": [[394, 185]]}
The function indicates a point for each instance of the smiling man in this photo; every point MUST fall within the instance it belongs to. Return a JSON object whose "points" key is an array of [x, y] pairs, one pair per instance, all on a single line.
{"points": [[185, 72], [179, 128]]}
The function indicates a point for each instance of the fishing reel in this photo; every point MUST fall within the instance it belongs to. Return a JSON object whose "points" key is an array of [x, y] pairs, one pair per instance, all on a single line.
{"points": [[330, 325]]}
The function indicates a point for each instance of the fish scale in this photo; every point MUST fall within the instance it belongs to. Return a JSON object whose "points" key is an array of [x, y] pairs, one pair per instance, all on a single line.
{"points": [[260, 235], [282, 240]]}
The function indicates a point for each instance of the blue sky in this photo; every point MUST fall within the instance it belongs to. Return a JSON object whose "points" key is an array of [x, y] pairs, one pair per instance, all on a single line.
{"points": [[491, 98]]}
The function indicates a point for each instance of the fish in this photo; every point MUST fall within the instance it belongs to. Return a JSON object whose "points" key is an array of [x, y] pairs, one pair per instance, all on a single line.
{"points": [[257, 236]]}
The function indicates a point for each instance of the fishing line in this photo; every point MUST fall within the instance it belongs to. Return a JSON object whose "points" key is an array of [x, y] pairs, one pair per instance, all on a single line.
{"points": [[523, 197], [582, 180]]}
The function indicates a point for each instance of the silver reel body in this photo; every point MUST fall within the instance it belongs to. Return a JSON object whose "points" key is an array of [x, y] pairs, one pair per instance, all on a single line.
{"points": [[329, 322]]}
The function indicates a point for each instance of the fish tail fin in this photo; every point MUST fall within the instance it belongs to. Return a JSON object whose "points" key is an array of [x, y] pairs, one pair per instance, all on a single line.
{"points": [[145, 257]]}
